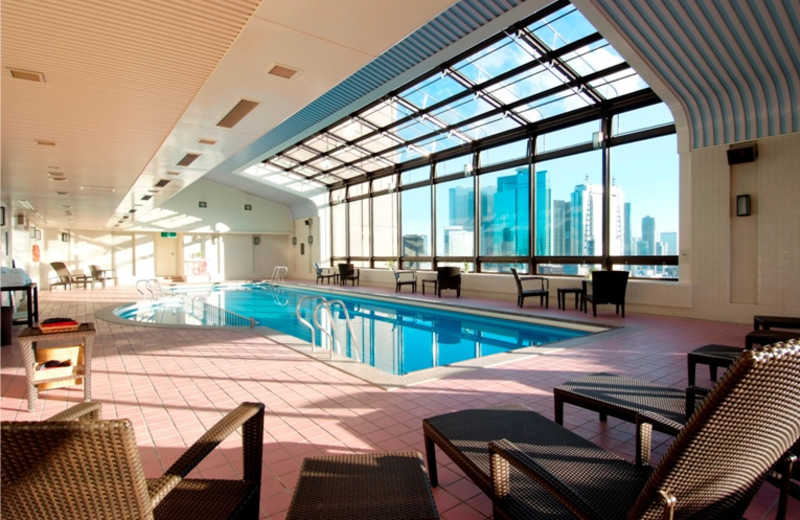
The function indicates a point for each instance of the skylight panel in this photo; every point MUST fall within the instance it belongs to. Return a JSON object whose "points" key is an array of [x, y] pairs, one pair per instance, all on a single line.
{"points": [[323, 143], [491, 125], [380, 142], [435, 89], [440, 142], [386, 113], [561, 28], [527, 84], [592, 58], [351, 129], [349, 154], [497, 59], [325, 163], [283, 162], [619, 84], [299, 154], [415, 128], [455, 113], [555, 105]]}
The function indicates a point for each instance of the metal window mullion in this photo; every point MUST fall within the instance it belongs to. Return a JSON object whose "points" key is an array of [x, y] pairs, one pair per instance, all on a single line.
{"points": [[605, 151]]}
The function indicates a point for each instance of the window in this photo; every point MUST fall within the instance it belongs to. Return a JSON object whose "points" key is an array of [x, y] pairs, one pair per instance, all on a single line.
{"points": [[455, 218], [644, 174], [416, 223], [384, 225], [505, 210], [359, 227], [568, 202], [339, 224], [415, 175]]}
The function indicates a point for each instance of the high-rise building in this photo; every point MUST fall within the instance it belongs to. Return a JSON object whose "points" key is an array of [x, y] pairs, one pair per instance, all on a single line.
{"points": [[628, 238], [462, 207], [670, 239], [510, 225], [544, 245], [561, 239], [649, 235], [458, 241]]}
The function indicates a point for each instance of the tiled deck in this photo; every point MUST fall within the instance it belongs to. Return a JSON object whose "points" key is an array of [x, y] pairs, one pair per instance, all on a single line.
{"points": [[174, 383]]}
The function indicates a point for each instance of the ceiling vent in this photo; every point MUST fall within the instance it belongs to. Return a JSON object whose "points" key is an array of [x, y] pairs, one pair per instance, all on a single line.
{"points": [[62, 193], [188, 159], [44, 142], [162, 183], [173, 172], [282, 71], [207, 141], [237, 113], [27, 75], [147, 197]]}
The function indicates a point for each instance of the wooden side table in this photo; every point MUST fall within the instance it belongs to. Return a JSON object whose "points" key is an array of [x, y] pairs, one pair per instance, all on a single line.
{"points": [[80, 368]]}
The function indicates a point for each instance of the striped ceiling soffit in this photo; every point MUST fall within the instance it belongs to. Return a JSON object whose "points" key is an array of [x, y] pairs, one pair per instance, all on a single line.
{"points": [[459, 20], [732, 63]]}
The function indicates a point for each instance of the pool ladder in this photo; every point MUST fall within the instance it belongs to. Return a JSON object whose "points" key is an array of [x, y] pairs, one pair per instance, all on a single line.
{"points": [[279, 273], [327, 329], [152, 286]]}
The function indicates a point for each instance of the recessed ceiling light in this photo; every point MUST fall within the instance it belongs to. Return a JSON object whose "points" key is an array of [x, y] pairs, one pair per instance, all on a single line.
{"points": [[62, 193], [173, 172], [45, 142], [105, 189], [205, 140], [29, 75]]}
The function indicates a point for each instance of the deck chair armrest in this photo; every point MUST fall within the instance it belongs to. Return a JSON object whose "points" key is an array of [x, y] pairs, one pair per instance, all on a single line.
{"points": [[89, 411], [504, 454], [405, 274], [250, 416], [543, 282]]}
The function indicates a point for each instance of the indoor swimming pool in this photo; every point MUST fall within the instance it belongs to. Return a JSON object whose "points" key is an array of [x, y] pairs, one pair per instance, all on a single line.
{"points": [[393, 335]]}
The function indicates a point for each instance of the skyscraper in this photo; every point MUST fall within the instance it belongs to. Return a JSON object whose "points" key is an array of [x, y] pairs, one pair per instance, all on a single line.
{"points": [[543, 215], [649, 235]]}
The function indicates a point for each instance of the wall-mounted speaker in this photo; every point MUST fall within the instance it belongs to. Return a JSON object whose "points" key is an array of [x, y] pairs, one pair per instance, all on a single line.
{"points": [[21, 220], [743, 154], [256, 240]]}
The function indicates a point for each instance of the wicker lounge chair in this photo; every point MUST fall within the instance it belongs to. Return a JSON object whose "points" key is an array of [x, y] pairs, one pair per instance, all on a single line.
{"points": [[448, 278], [532, 286], [76, 469], [711, 471]]}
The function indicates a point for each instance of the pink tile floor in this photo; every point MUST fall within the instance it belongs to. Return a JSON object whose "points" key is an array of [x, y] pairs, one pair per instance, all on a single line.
{"points": [[175, 383]]}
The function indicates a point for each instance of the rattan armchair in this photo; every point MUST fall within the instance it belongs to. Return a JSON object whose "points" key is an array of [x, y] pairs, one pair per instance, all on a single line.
{"points": [[75, 466]]}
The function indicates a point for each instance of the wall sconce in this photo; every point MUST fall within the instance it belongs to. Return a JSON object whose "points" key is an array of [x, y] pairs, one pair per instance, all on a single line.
{"points": [[202, 204], [65, 237], [310, 239], [256, 240], [294, 241], [248, 207], [33, 232], [743, 205]]}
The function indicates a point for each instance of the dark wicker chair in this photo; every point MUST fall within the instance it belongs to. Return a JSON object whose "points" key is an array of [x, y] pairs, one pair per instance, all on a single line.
{"points": [[75, 466], [532, 286], [348, 272], [607, 287], [448, 278], [535, 468]]}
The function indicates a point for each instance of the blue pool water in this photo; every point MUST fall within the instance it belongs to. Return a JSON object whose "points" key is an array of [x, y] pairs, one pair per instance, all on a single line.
{"points": [[391, 335]]}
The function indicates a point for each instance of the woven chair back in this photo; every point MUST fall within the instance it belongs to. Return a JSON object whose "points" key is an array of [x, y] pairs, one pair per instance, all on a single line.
{"points": [[72, 471], [718, 461], [609, 286]]}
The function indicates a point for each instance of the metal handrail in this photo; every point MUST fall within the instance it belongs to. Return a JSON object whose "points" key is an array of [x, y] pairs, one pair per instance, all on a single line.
{"points": [[349, 325], [279, 273], [150, 284], [324, 303], [305, 321]]}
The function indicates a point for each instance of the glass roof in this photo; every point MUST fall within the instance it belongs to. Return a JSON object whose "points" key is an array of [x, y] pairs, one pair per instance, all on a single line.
{"points": [[545, 67]]}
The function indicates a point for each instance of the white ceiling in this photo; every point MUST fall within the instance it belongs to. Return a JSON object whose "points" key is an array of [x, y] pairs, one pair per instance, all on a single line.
{"points": [[129, 89]]}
